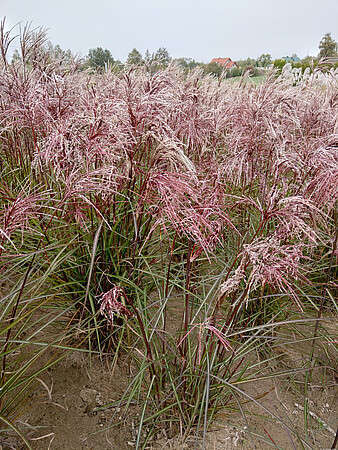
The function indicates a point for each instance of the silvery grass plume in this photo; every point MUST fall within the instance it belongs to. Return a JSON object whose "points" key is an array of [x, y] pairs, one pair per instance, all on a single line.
{"points": [[192, 207], [274, 264], [16, 214], [322, 186]]}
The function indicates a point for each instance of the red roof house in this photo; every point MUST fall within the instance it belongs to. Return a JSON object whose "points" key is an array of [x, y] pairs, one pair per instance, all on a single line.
{"points": [[227, 63]]}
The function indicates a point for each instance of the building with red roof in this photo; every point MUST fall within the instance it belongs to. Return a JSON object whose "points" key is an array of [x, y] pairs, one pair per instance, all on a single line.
{"points": [[226, 63]]}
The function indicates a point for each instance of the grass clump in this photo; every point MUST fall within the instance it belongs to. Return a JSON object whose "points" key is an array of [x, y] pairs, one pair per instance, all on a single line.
{"points": [[122, 192]]}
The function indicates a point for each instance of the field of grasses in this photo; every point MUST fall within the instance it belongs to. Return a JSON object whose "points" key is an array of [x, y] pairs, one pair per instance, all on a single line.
{"points": [[179, 232]]}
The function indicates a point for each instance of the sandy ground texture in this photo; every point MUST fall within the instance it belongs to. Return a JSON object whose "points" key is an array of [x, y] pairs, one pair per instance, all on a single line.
{"points": [[63, 412], [66, 408]]}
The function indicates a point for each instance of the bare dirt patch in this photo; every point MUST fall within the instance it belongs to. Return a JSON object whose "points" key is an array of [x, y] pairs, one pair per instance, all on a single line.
{"points": [[67, 409]]}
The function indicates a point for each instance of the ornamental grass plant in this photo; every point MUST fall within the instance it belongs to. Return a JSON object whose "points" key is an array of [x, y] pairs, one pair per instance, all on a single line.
{"points": [[122, 191]]}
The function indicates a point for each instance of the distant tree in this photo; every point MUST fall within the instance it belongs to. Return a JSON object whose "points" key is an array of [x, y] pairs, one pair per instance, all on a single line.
{"points": [[192, 64], [279, 63], [162, 57], [182, 62], [213, 69], [244, 63], [264, 60], [148, 57], [16, 56], [158, 60], [248, 65], [99, 58], [60, 53], [309, 60], [327, 46], [45, 54], [135, 58], [57, 53], [187, 63], [234, 72]]}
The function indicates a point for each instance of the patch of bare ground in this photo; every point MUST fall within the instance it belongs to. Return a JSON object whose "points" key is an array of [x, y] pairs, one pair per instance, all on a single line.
{"points": [[63, 411], [254, 428], [275, 414], [67, 409]]}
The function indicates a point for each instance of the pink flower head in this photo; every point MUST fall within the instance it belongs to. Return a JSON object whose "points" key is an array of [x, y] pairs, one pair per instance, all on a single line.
{"points": [[17, 214], [274, 264], [190, 206], [233, 283], [111, 304]]}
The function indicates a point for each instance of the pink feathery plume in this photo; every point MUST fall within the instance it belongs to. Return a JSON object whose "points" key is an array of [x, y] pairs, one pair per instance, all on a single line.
{"points": [[274, 264], [17, 213], [190, 206], [111, 304]]}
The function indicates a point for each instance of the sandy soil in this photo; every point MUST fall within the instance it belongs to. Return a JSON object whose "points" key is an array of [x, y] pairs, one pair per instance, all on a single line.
{"points": [[62, 413], [65, 410]]}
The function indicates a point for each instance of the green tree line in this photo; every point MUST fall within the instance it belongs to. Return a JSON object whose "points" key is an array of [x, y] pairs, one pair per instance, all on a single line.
{"points": [[100, 59]]}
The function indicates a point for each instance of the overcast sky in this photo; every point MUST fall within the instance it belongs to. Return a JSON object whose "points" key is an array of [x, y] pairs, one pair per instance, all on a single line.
{"points": [[200, 29]]}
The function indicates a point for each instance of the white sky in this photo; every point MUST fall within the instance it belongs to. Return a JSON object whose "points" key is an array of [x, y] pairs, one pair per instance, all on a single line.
{"points": [[190, 28]]}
